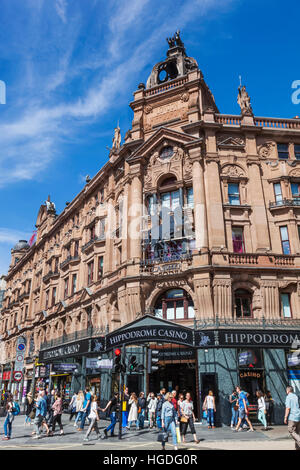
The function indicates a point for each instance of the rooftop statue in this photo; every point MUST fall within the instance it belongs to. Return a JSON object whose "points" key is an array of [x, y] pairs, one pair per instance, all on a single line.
{"points": [[117, 139], [175, 40], [50, 205], [244, 101]]}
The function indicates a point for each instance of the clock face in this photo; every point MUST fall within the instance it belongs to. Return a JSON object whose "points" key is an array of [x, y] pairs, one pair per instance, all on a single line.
{"points": [[166, 153]]}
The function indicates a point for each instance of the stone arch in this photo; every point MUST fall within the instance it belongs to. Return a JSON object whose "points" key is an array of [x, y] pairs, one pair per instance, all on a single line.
{"points": [[162, 176], [233, 170], [164, 286]]}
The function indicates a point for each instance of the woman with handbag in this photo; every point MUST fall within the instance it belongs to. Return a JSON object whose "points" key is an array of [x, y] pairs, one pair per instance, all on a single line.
{"points": [[9, 418], [57, 408], [29, 407], [169, 420], [79, 407], [233, 400], [188, 418], [261, 409], [72, 406], [210, 406], [133, 412]]}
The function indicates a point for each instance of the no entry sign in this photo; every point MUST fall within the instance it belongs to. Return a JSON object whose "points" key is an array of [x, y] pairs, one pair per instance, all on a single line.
{"points": [[18, 375]]}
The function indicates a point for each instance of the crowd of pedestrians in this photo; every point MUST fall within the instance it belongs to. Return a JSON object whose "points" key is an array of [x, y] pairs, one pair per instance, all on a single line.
{"points": [[170, 413]]}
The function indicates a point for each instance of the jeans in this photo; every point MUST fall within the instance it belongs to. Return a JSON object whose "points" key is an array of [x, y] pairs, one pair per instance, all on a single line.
{"points": [[158, 422], [141, 419], [27, 419], [8, 424], [210, 417], [93, 424], [234, 416], [38, 420], [262, 417], [57, 419], [152, 418], [130, 423], [78, 417], [171, 426], [113, 419], [83, 418]]}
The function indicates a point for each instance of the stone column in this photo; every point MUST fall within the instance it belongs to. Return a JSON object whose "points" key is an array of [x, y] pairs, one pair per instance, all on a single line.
{"points": [[200, 218], [216, 229], [259, 215], [135, 213]]}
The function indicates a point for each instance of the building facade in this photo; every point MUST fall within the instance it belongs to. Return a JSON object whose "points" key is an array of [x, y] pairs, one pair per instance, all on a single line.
{"points": [[192, 225]]}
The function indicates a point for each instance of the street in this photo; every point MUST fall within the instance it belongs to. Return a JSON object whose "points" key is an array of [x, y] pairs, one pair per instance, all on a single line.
{"points": [[222, 438]]}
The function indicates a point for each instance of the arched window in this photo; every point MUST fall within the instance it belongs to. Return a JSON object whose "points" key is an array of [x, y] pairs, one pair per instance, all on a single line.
{"points": [[243, 303], [175, 304]]}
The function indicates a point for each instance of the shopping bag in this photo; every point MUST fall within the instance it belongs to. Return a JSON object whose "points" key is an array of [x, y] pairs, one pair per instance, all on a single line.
{"points": [[163, 437], [204, 414], [178, 434]]}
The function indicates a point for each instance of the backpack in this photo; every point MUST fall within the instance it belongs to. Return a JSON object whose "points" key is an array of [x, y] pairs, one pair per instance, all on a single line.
{"points": [[16, 409]]}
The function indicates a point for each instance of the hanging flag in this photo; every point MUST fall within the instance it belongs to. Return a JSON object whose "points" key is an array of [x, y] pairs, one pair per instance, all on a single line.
{"points": [[32, 239]]}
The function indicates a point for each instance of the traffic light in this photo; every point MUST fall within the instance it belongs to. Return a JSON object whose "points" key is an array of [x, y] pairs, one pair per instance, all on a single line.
{"points": [[117, 361], [133, 366], [153, 360]]}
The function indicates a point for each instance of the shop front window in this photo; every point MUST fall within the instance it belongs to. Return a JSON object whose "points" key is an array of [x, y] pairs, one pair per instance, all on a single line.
{"points": [[175, 304]]}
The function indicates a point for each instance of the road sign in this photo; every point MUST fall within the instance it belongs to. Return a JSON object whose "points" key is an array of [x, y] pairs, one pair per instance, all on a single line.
{"points": [[18, 376]]}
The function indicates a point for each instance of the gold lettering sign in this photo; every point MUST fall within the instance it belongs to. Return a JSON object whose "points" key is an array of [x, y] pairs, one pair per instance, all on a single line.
{"points": [[255, 375]]}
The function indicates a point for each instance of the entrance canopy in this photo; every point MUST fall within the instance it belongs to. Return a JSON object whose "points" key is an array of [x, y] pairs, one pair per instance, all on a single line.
{"points": [[153, 329]]}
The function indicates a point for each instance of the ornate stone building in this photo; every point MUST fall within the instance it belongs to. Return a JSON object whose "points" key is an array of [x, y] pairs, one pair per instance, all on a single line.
{"points": [[194, 219]]}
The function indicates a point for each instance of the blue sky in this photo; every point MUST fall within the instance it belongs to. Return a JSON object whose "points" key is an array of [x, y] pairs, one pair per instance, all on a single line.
{"points": [[71, 66]]}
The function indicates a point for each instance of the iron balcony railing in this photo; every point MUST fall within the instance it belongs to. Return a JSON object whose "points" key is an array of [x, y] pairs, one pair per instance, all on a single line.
{"points": [[68, 260], [285, 202], [50, 275], [82, 334], [164, 257], [217, 322]]}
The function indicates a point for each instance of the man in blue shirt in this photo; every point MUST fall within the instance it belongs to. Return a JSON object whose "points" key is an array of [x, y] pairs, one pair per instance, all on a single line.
{"points": [[40, 416], [86, 408], [243, 410], [292, 415]]}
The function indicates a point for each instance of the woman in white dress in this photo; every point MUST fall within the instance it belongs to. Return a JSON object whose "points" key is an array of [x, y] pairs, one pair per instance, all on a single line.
{"points": [[133, 412]]}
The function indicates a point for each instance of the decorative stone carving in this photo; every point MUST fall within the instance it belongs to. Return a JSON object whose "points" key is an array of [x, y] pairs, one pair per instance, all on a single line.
{"points": [[265, 150], [233, 171], [187, 167], [230, 141], [244, 102], [184, 97], [148, 108], [295, 173]]}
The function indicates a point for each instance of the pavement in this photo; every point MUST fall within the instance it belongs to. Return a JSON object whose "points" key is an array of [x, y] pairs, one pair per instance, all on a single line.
{"points": [[222, 438]]}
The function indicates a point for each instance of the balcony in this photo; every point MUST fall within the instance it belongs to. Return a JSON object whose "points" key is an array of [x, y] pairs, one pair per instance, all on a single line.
{"points": [[166, 263], [82, 334], [50, 275], [68, 260], [233, 322], [24, 295], [266, 260], [295, 202]]}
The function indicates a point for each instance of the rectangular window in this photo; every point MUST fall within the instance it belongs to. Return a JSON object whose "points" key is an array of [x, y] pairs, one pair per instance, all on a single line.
{"points": [[238, 240], [100, 267], [150, 205], [90, 273], [92, 232], [171, 200], [285, 305], [283, 151], [53, 296], [66, 288], [295, 189], [76, 248], [74, 283], [278, 193], [234, 194], [56, 265], [299, 231], [297, 152], [285, 240], [47, 299], [190, 198]]}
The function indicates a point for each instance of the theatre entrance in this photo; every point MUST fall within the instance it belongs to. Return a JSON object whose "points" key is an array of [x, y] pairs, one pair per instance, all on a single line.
{"points": [[177, 371]]}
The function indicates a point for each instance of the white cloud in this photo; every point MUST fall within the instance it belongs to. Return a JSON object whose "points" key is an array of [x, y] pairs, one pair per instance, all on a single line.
{"points": [[10, 236], [61, 7]]}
